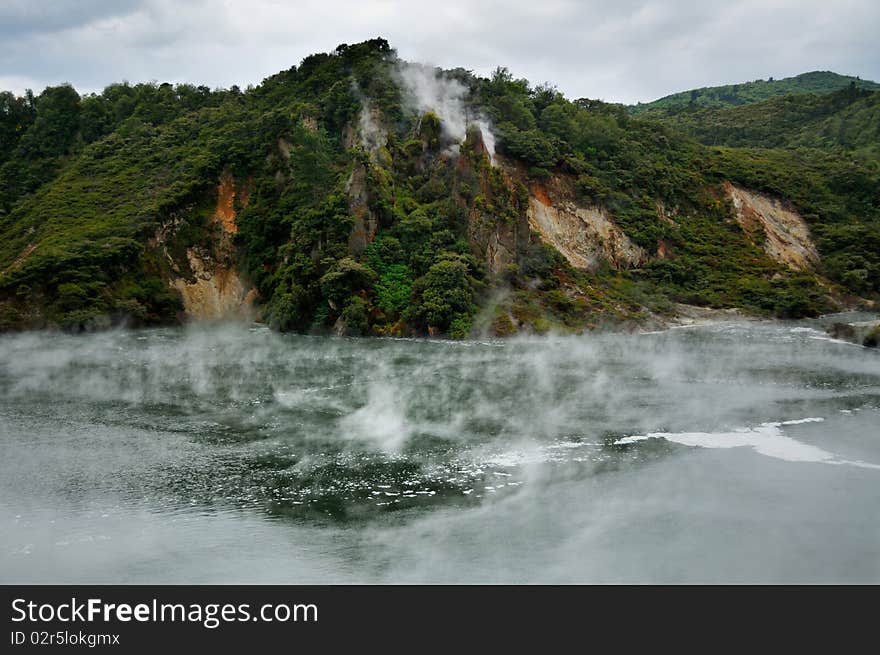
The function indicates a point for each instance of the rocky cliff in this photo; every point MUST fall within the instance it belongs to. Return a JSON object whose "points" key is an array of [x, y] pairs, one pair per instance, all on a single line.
{"points": [[209, 283], [586, 236], [775, 226]]}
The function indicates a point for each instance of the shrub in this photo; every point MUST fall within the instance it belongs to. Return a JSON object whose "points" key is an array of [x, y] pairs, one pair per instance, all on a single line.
{"points": [[355, 316]]}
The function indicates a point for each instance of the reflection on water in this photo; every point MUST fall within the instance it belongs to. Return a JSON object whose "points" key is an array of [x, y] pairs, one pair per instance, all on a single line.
{"points": [[230, 453]]}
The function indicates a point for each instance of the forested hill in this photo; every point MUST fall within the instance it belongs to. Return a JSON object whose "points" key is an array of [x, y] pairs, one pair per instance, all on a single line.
{"points": [[847, 120], [360, 194], [734, 95]]}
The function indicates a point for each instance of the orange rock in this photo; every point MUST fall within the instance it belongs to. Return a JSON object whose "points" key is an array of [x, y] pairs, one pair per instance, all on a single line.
{"points": [[225, 212]]}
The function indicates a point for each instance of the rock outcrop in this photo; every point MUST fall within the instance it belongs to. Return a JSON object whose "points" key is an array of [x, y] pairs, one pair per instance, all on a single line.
{"points": [[777, 227], [498, 240], [214, 289], [364, 229], [586, 236], [866, 333]]}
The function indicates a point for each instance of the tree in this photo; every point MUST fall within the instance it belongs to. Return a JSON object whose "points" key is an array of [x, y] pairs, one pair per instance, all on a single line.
{"points": [[346, 277], [444, 293], [16, 115]]}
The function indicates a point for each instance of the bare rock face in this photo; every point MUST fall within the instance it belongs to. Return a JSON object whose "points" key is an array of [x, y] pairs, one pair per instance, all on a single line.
{"points": [[843, 331], [225, 212], [215, 289], [371, 135], [284, 147], [784, 233], [866, 333], [310, 123], [365, 224], [497, 240], [500, 250], [663, 250], [584, 235]]}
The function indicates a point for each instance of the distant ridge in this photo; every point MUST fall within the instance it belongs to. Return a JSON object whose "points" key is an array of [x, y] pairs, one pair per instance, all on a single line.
{"points": [[734, 95], [847, 121]]}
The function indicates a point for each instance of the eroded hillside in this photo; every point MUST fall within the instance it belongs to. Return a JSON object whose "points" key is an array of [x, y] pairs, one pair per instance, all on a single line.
{"points": [[361, 194]]}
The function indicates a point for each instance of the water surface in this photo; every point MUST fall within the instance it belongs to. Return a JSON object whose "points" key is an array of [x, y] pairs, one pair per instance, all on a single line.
{"points": [[735, 452]]}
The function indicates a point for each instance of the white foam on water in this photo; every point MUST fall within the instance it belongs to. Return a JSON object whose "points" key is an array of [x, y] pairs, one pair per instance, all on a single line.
{"points": [[571, 444], [798, 421], [823, 337], [516, 458], [767, 439]]}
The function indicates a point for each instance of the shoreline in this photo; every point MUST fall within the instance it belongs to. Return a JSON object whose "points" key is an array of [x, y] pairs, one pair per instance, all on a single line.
{"points": [[685, 317]]}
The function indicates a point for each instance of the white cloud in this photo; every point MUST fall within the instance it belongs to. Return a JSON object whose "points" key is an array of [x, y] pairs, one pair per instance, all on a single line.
{"points": [[623, 51]]}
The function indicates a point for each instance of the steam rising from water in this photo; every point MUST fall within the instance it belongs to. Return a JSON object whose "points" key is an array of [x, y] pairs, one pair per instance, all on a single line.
{"points": [[228, 453]]}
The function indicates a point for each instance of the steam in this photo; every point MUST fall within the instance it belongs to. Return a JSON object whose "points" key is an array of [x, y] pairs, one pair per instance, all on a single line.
{"points": [[372, 134], [426, 88], [381, 422], [370, 131], [216, 453]]}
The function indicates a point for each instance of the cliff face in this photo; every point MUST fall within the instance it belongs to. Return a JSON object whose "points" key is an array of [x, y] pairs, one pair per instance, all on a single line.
{"points": [[499, 240], [586, 236], [211, 287], [215, 291], [364, 230], [209, 283], [778, 228]]}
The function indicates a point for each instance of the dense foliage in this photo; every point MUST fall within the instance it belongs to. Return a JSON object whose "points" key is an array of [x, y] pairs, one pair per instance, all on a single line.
{"points": [[102, 196], [846, 121]]}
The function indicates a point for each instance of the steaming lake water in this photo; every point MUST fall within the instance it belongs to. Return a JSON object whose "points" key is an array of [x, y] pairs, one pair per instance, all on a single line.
{"points": [[735, 452]]}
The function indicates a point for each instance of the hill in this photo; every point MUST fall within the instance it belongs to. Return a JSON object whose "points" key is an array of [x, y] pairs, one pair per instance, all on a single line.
{"points": [[362, 194], [734, 95], [847, 121]]}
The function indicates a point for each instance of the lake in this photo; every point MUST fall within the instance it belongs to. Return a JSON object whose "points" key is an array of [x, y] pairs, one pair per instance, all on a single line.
{"points": [[742, 451]]}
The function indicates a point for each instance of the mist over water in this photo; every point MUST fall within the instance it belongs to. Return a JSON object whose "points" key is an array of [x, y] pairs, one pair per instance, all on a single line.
{"points": [[736, 452]]}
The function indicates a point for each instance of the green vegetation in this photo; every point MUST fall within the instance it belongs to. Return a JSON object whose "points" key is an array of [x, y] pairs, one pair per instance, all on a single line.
{"points": [[838, 197], [733, 95], [845, 121], [102, 197]]}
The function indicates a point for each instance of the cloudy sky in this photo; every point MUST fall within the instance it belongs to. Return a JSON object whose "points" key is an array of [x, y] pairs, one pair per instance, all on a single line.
{"points": [[622, 50]]}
